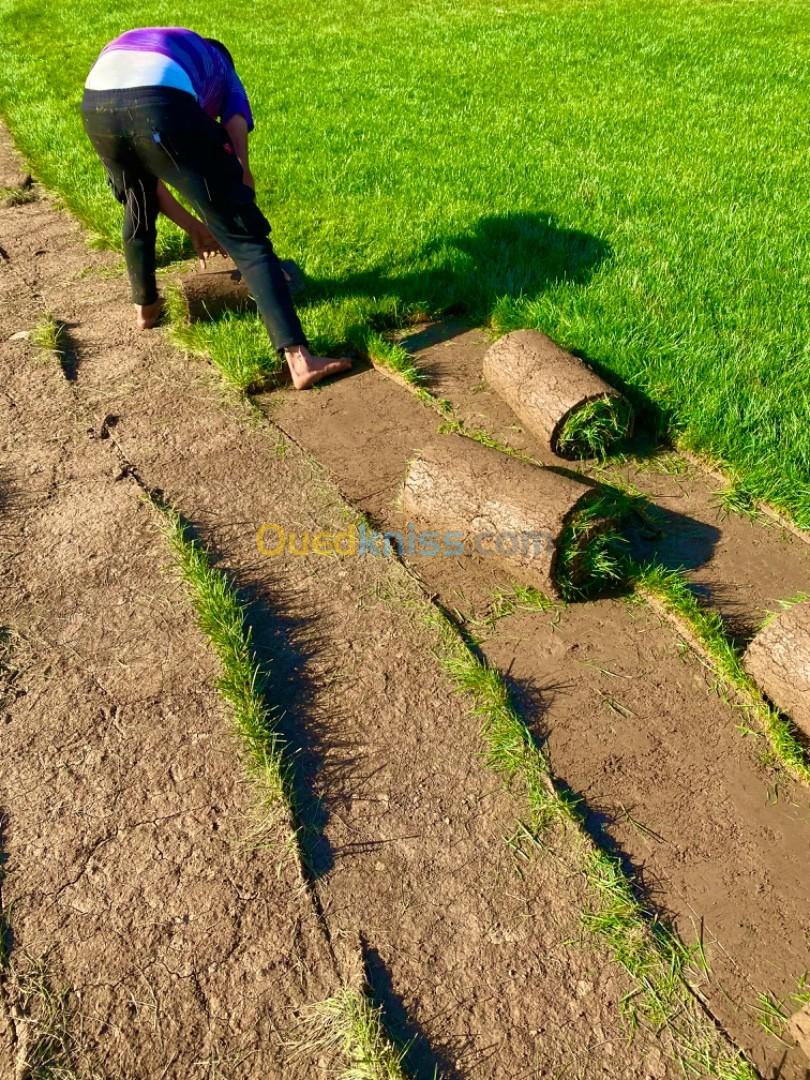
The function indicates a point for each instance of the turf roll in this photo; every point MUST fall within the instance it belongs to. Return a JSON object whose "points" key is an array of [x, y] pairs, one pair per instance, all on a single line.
{"points": [[210, 293], [546, 530], [778, 659], [556, 395]]}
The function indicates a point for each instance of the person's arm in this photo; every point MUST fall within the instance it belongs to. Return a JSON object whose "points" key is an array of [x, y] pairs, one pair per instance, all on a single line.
{"points": [[237, 129], [204, 243]]}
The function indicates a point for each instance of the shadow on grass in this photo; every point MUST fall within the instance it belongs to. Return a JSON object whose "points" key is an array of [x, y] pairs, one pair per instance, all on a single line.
{"points": [[487, 271], [501, 257]]}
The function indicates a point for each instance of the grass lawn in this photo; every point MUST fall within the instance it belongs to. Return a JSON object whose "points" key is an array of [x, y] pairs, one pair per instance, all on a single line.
{"points": [[629, 176]]}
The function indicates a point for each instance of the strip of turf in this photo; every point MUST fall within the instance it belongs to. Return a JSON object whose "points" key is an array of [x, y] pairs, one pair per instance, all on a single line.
{"points": [[659, 965], [628, 177]]}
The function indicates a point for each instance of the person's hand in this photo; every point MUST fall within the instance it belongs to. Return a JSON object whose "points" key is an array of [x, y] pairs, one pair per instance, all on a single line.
{"points": [[247, 178], [204, 244]]}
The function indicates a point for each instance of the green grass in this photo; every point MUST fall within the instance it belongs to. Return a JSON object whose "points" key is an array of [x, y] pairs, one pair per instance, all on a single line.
{"points": [[595, 428], [589, 549], [349, 1027], [771, 1015], [221, 618], [237, 346], [17, 196], [626, 175], [48, 335]]}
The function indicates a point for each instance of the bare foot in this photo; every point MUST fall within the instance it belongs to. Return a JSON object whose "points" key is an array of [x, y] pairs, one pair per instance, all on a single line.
{"points": [[148, 315], [306, 369]]}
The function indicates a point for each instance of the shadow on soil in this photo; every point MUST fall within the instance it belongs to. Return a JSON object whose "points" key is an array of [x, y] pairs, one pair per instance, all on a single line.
{"points": [[6, 934], [66, 350], [674, 541], [291, 694], [421, 1060]]}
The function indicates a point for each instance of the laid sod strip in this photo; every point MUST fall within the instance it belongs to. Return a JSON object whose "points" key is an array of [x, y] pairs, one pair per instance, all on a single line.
{"points": [[222, 619], [554, 393], [694, 297], [657, 962], [668, 591], [349, 1027]]}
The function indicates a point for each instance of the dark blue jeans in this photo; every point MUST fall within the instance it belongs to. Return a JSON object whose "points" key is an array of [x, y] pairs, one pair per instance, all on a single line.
{"points": [[158, 133]]}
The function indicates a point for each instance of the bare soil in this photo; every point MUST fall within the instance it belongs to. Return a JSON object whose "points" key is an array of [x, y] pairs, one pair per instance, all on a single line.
{"points": [[189, 950], [634, 723]]}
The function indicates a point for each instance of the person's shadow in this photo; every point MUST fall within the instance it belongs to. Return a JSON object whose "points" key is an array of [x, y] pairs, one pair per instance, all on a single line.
{"points": [[500, 258]]}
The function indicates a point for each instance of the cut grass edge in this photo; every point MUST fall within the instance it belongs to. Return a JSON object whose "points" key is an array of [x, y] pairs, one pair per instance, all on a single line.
{"points": [[234, 358], [222, 620], [668, 593], [347, 1029], [595, 428]]}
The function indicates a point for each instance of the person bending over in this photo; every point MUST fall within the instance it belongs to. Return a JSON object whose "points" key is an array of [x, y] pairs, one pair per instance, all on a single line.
{"points": [[150, 108]]}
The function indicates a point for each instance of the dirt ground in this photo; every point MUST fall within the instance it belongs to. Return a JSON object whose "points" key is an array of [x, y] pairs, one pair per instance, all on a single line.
{"points": [[634, 723], [129, 870]]}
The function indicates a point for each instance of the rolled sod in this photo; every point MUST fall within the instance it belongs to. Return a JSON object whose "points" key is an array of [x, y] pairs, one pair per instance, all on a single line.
{"points": [[546, 530], [778, 659], [556, 395], [212, 292]]}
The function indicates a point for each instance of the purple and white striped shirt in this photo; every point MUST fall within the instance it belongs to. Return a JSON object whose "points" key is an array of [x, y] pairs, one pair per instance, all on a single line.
{"points": [[208, 75]]}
